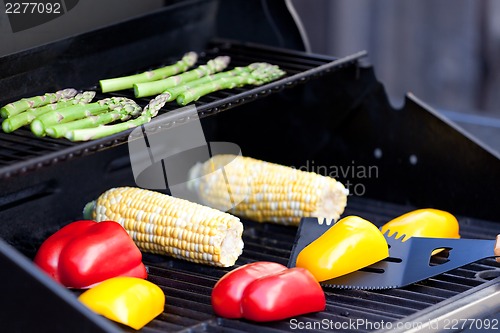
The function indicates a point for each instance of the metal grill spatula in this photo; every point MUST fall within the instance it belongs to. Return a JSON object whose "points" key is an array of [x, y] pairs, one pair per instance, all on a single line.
{"points": [[408, 262]]}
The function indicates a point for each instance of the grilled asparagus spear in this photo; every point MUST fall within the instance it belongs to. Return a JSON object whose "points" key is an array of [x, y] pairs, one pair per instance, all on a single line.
{"points": [[26, 117], [256, 77], [150, 111], [177, 90], [122, 112], [32, 102], [157, 87], [126, 82]]}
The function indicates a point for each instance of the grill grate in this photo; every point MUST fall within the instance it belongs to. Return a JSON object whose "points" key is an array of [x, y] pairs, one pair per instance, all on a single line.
{"points": [[21, 151], [188, 286]]}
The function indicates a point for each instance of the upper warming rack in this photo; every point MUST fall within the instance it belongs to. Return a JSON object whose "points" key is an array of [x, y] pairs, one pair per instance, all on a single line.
{"points": [[21, 151]]}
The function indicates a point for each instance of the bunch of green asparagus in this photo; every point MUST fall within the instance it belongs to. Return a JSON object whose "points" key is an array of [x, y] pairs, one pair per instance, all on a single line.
{"points": [[102, 130], [59, 114], [67, 113], [189, 86], [254, 74], [127, 82], [23, 112]]}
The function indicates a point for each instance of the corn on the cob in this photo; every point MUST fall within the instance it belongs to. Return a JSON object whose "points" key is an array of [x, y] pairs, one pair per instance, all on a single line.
{"points": [[267, 192], [162, 224]]}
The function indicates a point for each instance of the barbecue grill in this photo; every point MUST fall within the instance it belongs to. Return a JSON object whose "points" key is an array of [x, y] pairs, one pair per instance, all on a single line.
{"points": [[328, 115]]}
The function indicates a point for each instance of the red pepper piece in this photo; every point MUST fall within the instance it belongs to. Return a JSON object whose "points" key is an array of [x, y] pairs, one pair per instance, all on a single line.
{"points": [[286, 294], [228, 291], [47, 257], [85, 253], [267, 291]]}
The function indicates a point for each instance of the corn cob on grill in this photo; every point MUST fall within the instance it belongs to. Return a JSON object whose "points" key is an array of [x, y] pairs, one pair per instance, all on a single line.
{"points": [[162, 224], [267, 192]]}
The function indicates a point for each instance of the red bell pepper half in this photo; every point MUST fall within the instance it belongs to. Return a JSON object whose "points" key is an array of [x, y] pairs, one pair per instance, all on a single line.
{"points": [[228, 291], [265, 291], [84, 253]]}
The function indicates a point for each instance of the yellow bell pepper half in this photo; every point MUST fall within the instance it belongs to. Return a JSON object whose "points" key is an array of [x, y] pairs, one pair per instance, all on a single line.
{"points": [[127, 300], [350, 244], [424, 223]]}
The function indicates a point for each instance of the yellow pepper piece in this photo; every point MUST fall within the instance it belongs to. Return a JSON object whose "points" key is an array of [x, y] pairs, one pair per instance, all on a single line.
{"points": [[350, 244], [127, 300], [424, 223]]}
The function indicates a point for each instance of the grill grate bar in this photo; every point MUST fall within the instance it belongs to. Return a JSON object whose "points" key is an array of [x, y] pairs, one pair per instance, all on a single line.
{"points": [[376, 300], [14, 148], [23, 137], [459, 280], [180, 319], [464, 273], [483, 264], [353, 311], [182, 308], [198, 280], [416, 296], [446, 285], [424, 289], [266, 248], [161, 326], [374, 307], [189, 308], [200, 291]]}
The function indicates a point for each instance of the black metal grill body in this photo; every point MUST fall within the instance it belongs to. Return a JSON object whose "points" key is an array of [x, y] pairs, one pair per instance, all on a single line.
{"points": [[327, 115]]}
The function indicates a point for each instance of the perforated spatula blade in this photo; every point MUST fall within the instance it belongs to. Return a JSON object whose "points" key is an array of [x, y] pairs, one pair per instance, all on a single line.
{"points": [[411, 261], [408, 262]]}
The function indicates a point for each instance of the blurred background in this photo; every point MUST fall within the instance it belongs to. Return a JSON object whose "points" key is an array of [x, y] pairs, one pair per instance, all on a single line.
{"points": [[445, 52]]}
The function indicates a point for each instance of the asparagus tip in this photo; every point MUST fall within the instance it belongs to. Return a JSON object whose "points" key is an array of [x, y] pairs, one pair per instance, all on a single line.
{"points": [[225, 60], [67, 93], [190, 58]]}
